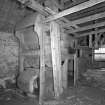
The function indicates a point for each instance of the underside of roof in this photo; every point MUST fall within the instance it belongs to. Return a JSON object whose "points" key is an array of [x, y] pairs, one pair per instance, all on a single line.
{"points": [[12, 12]]}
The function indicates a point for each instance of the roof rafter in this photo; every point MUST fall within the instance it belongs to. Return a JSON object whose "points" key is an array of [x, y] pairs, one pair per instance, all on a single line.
{"points": [[87, 27], [43, 10], [74, 9], [86, 19], [91, 33]]}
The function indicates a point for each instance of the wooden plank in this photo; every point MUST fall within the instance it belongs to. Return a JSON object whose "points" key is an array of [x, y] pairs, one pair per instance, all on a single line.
{"points": [[86, 19], [56, 57], [90, 33], [86, 27], [74, 9], [39, 28]]}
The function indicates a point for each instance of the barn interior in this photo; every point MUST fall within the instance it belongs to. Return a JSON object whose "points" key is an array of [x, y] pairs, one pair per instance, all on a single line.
{"points": [[52, 52]]}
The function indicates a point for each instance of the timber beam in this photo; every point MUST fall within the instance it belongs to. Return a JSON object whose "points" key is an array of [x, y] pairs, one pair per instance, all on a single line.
{"points": [[86, 19], [86, 27], [74, 9], [35, 6], [90, 33], [69, 4], [43, 10]]}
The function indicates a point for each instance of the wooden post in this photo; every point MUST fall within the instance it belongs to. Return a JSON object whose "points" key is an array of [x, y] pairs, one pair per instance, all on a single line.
{"points": [[56, 57], [75, 65], [90, 41], [21, 63], [75, 69], [96, 38], [21, 57], [20, 54], [39, 28], [64, 74]]}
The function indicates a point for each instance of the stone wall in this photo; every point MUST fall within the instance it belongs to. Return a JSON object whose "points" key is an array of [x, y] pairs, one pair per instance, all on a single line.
{"points": [[29, 42], [8, 55]]}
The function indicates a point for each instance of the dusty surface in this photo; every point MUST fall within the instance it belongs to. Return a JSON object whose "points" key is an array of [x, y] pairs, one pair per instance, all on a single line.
{"points": [[12, 98], [81, 96], [72, 96]]}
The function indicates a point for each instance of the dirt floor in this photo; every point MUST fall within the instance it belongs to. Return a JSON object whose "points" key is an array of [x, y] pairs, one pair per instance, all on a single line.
{"points": [[82, 95], [10, 97]]}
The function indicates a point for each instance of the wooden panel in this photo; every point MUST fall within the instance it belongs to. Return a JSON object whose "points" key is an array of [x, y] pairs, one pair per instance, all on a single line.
{"points": [[56, 57], [74, 9]]}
